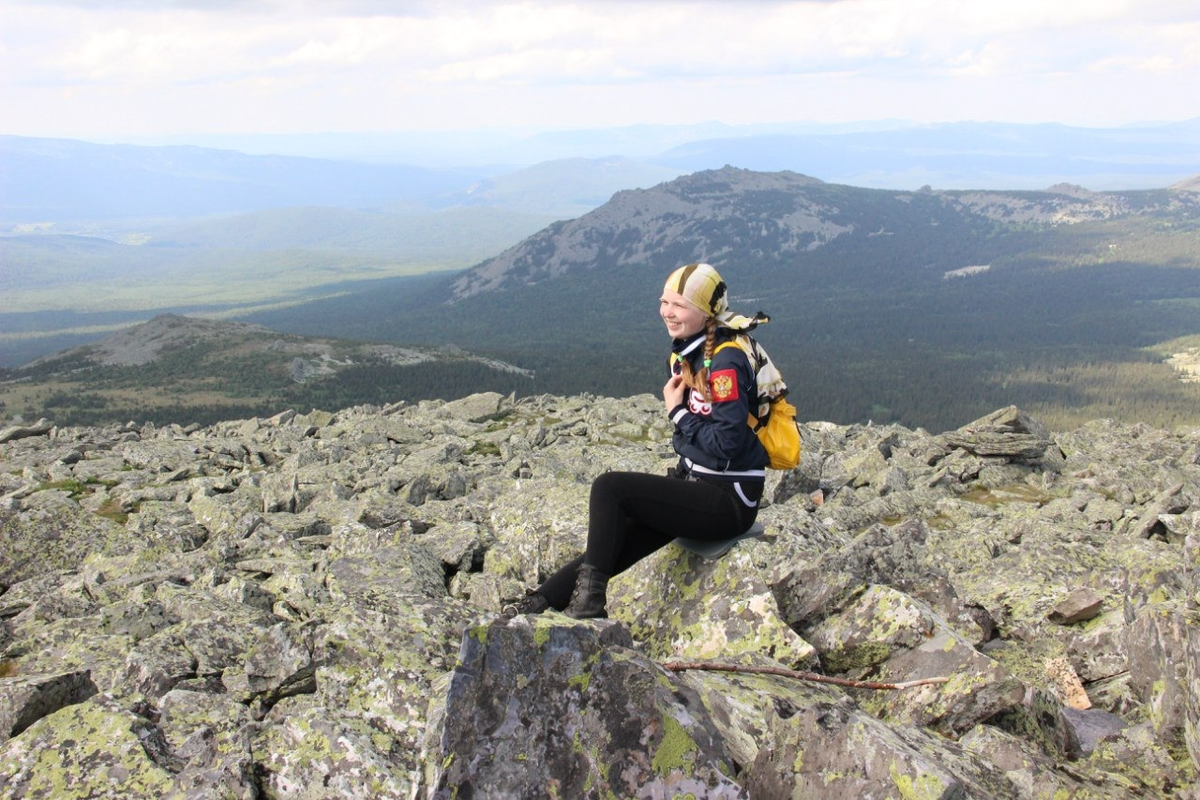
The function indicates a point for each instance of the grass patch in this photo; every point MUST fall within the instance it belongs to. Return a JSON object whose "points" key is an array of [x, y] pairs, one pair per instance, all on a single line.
{"points": [[1003, 495], [75, 487], [115, 511]]}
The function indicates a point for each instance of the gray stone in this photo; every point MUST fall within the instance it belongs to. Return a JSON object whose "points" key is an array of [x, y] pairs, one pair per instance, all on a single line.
{"points": [[14, 432], [821, 748], [557, 708], [1009, 433], [1079, 606], [305, 605], [26, 699], [1086, 727], [100, 748]]}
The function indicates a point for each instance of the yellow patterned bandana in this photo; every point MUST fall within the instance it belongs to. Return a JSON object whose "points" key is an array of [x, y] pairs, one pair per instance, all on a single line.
{"points": [[701, 285]]}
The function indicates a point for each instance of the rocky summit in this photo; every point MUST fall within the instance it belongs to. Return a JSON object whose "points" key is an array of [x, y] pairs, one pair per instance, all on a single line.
{"points": [[308, 606]]}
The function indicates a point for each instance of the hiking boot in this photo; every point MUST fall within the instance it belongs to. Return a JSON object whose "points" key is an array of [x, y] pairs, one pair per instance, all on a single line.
{"points": [[588, 599], [531, 603]]}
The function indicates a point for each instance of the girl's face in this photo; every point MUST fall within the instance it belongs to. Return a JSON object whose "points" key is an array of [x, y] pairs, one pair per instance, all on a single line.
{"points": [[683, 319]]}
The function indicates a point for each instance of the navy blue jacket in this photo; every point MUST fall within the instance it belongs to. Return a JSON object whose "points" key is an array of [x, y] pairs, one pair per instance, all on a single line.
{"points": [[714, 439]]}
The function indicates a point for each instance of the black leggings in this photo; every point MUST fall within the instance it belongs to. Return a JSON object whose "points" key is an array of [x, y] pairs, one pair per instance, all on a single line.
{"points": [[632, 514]]}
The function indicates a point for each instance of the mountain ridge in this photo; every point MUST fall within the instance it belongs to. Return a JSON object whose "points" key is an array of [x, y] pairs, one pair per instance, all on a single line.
{"points": [[689, 209], [65, 179], [174, 368], [62, 179], [1084, 297], [1079, 283]]}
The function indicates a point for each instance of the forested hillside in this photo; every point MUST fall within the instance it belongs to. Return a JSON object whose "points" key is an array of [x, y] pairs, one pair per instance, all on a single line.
{"points": [[924, 308]]}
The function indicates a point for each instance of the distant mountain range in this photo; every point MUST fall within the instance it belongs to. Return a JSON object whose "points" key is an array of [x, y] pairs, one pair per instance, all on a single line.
{"points": [[566, 173], [919, 306], [923, 306], [762, 223], [964, 155], [885, 154], [57, 184], [57, 180]]}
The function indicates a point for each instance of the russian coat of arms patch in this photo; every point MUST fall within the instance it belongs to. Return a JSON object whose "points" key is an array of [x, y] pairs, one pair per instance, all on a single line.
{"points": [[724, 385]]}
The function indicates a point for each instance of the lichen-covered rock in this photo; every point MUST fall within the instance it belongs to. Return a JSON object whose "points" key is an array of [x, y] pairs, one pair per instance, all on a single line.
{"points": [[679, 605], [213, 734], [314, 751], [1158, 643], [96, 748], [1009, 433], [156, 664], [820, 746], [52, 532], [381, 575], [277, 607], [1030, 770], [14, 432], [880, 623], [739, 704], [380, 666], [26, 699], [278, 665], [553, 709], [1191, 648], [978, 689], [896, 556]]}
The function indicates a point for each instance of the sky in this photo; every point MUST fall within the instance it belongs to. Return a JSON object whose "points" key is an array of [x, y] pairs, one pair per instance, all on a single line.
{"points": [[136, 68]]}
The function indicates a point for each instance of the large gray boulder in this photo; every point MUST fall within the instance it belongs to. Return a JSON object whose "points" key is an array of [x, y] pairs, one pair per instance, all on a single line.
{"points": [[544, 707]]}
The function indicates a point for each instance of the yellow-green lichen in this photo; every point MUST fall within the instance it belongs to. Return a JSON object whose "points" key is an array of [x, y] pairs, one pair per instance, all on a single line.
{"points": [[541, 635], [920, 787], [851, 659], [100, 753], [675, 751], [677, 575]]}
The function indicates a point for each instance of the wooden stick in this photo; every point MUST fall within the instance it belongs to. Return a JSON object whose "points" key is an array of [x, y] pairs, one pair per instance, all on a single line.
{"points": [[680, 666]]}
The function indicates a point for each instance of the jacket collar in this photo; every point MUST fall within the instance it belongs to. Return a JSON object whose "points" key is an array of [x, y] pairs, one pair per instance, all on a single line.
{"points": [[685, 347]]}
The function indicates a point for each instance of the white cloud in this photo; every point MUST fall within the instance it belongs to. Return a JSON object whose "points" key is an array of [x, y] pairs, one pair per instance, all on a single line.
{"points": [[361, 64]]}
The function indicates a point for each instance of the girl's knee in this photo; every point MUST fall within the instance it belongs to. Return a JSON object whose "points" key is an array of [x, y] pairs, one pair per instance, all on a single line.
{"points": [[607, 483]]}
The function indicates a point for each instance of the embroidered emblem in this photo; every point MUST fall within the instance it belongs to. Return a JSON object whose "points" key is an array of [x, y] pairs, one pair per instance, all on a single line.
{"points": [[724, 385], [697, 404]]}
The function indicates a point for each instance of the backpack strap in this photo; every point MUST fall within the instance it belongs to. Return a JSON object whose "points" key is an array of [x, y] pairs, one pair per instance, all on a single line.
{"points": [[723, 345], [738, 345]]}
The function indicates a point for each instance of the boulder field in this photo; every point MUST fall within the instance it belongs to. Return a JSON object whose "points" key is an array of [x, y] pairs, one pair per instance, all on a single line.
{"points": [[308, 606]]}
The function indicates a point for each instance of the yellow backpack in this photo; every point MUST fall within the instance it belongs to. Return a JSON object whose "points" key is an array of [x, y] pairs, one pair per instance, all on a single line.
{"points": [[775, 424]]}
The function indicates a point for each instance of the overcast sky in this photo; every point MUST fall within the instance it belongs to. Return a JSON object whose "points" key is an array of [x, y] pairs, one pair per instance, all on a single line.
{"points": [[106, 68]]}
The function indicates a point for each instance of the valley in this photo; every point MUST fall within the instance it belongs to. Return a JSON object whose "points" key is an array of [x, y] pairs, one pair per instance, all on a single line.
{"points": [[925, 308]]}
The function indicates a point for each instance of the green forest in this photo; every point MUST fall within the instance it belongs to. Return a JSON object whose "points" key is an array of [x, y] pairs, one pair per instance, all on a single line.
{"points": [[1071, 322]]}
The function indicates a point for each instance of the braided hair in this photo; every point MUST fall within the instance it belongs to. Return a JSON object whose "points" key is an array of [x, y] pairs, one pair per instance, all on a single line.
{"points": [[698, 381]]}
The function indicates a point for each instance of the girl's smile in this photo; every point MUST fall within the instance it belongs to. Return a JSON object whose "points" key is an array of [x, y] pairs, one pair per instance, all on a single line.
{"points": [[681, 317]]}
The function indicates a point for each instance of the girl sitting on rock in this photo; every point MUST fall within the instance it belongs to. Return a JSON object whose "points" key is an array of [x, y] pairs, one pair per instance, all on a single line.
{"points": [[713, 492]]}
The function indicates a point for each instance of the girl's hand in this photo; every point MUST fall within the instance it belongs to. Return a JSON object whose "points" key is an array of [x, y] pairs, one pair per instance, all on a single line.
{"points": [[673, 392]]}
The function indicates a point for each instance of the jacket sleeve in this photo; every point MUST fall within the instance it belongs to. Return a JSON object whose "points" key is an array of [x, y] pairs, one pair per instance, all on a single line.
{"points": [[719, 428]]}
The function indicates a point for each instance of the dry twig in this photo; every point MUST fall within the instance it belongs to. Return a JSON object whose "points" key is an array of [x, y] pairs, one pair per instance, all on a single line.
{"points": [[680, 666]]}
